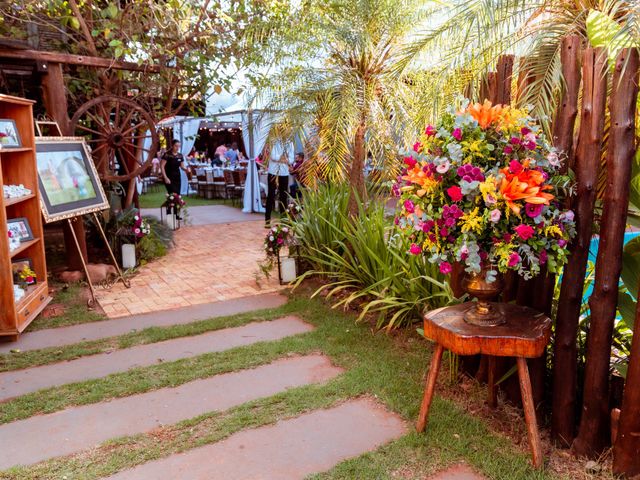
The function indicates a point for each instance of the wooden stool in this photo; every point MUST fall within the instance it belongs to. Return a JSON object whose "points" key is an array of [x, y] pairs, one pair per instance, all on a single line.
{"points": [[525, 335]]}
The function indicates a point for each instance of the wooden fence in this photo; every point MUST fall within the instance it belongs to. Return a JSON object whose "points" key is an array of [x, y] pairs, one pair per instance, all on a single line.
{"points": [[586, 426]]}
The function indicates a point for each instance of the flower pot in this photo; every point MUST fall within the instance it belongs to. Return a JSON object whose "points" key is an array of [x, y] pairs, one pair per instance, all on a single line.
{"points": [[128, 255], [483, 312]]}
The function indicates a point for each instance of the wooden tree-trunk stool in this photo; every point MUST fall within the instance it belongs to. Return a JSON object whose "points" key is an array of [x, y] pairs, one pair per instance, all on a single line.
{"points": [[524, 335]]}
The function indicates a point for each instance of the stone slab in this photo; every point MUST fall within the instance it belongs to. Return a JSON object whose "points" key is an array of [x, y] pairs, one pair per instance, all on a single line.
{"points": [[211, 214], [459, 472], [289, 450], [20, 382], [80, 428], [56, 337]]}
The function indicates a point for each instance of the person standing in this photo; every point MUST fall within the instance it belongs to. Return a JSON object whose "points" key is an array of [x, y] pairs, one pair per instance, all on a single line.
{"points": [[220, 152], [277, 179], [170, 166], [296, 172], [232, 154]]}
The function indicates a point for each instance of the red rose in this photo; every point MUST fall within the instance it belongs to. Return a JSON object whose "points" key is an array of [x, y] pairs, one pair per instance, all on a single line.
{"points": [[455, 193]]}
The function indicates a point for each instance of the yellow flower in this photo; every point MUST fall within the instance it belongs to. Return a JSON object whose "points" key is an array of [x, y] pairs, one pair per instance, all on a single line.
{"points": [[489, 188], [553, 231], [472, 221]]}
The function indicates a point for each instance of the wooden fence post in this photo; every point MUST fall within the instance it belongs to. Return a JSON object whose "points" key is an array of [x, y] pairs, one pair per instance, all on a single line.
{"points": [[504, 73], [588, 152], [564, 122], [594, 432], [626, 451]]}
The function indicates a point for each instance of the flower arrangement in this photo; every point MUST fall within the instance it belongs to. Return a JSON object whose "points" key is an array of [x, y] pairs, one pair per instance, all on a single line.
{"points": [[294, 209], [483, 187], [174, 202], [131, 224], [25, 276], [276, 238]]}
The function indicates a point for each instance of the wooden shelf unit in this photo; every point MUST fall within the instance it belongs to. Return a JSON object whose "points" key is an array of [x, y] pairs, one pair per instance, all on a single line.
{"points": [[18, 166]]}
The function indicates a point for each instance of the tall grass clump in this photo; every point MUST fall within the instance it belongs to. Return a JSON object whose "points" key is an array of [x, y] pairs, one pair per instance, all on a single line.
{"points": [[363, 260]]}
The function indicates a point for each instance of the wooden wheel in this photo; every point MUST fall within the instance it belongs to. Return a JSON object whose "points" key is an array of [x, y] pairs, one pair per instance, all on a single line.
{"points": [[121, 133]]}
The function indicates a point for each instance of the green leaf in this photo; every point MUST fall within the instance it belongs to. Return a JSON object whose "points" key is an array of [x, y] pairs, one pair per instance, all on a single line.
{"points": [[627, 309], [74, 22], [603, 31], [111, 11], [631, 266], [115, 43]]}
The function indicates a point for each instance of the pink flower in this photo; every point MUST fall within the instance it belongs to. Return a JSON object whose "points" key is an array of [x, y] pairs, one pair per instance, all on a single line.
{"points": [[543, 257], [415, 249], [455, 193], [530, 145], [430, 131], [515, 167], [410, 162], [562, 243], [457, 134], [554, 159], [508, 150], [525, 232], [280, 241], [427, 226], [444, 231], [409, 206], [445, 267], [396, 221], [525, 131], [533, 210], [443, 167], [515, 141], [507, 237], [416, 146], [514, 259], [495, 215]]}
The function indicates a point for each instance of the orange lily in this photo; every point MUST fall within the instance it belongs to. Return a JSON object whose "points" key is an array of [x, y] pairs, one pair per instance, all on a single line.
{"points": [[417, 176], [525, 186], [486, 113]]}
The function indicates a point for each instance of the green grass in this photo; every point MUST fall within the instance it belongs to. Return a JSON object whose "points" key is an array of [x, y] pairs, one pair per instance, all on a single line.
{"points": [[388, 368], [76, 310], [156, 199]]}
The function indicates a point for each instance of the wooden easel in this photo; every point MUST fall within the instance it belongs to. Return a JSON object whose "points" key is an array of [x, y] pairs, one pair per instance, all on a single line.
{"points": [[70, 221]]}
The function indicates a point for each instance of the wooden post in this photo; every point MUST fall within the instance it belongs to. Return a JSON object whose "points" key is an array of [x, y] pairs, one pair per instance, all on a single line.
{"points": [[594, 68], [565, 119], [593, 435], [525, 79], [626, 451], [54, 97], [504, 73]]}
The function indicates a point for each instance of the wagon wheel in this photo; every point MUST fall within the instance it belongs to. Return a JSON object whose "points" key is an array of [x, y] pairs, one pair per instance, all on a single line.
{"points": [[121, 133]]}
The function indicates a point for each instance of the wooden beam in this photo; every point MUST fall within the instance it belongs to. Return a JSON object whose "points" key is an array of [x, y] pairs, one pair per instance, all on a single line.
{"points": [[68, 59]]}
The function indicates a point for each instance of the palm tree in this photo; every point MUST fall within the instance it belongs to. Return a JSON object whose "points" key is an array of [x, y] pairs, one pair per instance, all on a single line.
{"points": [[349, 99]]}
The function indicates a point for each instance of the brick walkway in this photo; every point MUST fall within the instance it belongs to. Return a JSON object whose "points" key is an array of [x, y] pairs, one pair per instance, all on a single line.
{"points": [[209, 263]]}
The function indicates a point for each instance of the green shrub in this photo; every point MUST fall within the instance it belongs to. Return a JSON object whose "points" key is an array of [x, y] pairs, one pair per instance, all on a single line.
{"points": [[157, 243], [365, 261]]}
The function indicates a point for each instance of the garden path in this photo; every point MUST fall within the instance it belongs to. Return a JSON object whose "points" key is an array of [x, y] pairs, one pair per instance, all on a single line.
{"points": [[214, 259]]}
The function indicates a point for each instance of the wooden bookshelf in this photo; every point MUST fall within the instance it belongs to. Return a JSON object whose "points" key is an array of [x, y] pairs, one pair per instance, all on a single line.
{"points": [[18, 166]]}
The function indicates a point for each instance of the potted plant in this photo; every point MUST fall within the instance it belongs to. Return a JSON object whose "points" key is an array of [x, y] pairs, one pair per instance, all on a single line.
{"points": [[484, 188]]}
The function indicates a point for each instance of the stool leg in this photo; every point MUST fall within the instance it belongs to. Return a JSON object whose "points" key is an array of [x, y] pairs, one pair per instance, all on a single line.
{"points": [[492, 370], [529, 412], [429, 388]]}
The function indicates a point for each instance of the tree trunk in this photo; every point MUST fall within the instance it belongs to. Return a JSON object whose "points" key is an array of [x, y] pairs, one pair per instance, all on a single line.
{"points": [[504, 72], [626, 451], [356, 178], [587, 162], [55, 101], [593, 435]]}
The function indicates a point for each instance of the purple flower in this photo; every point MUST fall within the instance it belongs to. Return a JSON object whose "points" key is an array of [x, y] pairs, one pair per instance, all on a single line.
{"points": [[525, 131], [469, 173], [409, 206], [543, 257], [508, 150], [515, 141], [533, 210], [530, 145], [457, 134], [562, 243], [428, 226], [396, 221]]}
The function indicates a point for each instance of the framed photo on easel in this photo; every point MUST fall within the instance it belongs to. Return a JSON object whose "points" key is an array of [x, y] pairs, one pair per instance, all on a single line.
{"points": [[67, 179]]}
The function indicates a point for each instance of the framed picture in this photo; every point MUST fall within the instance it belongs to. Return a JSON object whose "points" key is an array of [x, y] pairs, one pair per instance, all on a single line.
{"points": [[67, 179], [20, 228], [22, 270], [9, 136]]}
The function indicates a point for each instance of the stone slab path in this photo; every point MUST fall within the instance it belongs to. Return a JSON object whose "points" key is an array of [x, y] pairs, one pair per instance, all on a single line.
{"points": [[19, 382], [208, 263], [79, 428], [289, 450], [211, 214], [56, 337]]}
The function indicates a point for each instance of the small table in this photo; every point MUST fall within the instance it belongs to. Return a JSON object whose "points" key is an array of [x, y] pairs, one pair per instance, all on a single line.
{"points": [[525, 335]]}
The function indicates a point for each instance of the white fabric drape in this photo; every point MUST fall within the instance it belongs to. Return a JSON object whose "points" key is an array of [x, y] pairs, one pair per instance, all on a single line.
{"points": [[186, 131], [254, 134]]}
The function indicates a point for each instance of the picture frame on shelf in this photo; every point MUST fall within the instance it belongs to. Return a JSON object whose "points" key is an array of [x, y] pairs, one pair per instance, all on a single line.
{"points": [[9, 135], [18, 266], [20, 228], [67, 179]]}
